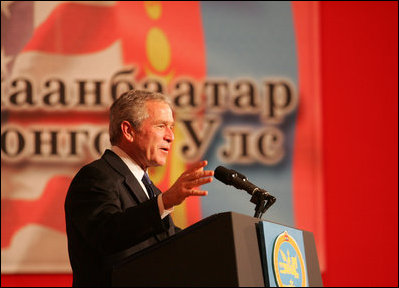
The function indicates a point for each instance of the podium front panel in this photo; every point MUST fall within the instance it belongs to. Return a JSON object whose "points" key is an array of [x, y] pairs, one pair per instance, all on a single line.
{"points": [[220, 250]]}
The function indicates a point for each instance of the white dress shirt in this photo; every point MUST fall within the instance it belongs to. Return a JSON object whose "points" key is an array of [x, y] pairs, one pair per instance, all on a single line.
{"points": [[138, 173]]}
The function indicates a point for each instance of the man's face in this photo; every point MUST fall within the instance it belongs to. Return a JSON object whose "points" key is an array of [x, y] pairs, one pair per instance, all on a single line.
{"points": [[153, 141]]}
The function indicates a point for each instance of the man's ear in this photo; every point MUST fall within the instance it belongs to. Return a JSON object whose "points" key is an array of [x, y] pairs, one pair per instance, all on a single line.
{"points": [[127, 131]]}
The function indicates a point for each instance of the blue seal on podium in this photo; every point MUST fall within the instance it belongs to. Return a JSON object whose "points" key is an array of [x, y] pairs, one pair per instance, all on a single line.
{"points": [[283, 255], [288, 264]]}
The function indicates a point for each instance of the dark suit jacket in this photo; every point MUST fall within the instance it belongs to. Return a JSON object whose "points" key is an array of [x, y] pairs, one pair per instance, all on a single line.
{"points": [[109, 217]]}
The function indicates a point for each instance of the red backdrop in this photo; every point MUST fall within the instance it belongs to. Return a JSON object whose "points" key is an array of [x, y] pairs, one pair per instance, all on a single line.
{"points": [[359, 64]]}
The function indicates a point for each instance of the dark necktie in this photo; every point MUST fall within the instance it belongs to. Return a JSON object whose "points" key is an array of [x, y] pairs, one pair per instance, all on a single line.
{"points": [[147, 183]]}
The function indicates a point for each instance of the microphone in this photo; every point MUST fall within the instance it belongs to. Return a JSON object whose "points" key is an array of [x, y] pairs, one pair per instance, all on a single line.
{"points": [[236, 179], [260, 197]]}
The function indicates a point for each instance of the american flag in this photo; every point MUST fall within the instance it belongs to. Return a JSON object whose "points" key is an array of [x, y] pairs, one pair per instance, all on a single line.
{"points": [[67, 42]]}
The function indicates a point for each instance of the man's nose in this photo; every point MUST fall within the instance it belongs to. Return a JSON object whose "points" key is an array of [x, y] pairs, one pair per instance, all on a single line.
{"points": [[169, 135]]}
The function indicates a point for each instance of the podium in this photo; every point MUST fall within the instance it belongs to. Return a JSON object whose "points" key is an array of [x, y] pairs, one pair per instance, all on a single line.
{"points": [[220, 250]]}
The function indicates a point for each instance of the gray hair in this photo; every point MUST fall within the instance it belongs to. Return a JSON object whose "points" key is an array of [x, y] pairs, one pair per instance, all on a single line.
{"points": [[130, 106]]}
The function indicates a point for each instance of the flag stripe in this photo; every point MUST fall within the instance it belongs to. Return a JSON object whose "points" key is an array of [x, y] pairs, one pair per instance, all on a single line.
{"points": [[75, 29], [307, 162], [43, 211]]}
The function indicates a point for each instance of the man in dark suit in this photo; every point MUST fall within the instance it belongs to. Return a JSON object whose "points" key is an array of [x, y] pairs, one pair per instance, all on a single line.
{"points": [[112, 209]]}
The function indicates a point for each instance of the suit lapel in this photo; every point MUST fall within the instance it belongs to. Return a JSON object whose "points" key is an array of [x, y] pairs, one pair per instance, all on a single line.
{"points": [[131, 182], [135, 188]]}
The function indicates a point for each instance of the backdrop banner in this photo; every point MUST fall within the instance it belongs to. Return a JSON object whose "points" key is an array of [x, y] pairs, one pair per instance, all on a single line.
{"points": [[230, 68]]}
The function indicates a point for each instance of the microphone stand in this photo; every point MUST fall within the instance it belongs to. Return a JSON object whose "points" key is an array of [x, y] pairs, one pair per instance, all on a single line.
{"points": [[263, 201]]}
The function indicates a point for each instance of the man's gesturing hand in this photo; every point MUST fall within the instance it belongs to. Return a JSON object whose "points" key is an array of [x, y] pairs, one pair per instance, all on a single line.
{"points": [[186, 184]]}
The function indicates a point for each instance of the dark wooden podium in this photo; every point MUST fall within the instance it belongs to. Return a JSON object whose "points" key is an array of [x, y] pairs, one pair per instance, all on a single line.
{"points": [[221, 250]]}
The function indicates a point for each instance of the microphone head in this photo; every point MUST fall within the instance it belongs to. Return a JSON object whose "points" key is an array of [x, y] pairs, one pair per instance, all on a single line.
{"points": [[243, 177], [223, 174]]}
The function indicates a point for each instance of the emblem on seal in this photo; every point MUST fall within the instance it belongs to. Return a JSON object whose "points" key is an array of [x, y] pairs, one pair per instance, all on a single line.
{"points": [[288, 264]]}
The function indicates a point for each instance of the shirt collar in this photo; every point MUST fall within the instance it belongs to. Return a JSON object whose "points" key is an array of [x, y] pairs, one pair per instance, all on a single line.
{"points": [[137, 171]]}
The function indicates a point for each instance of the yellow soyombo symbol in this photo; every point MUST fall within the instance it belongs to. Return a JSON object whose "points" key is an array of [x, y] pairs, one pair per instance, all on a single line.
{"points": [[153, 9], [159, 56], [158, 53], [158, 49]]}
